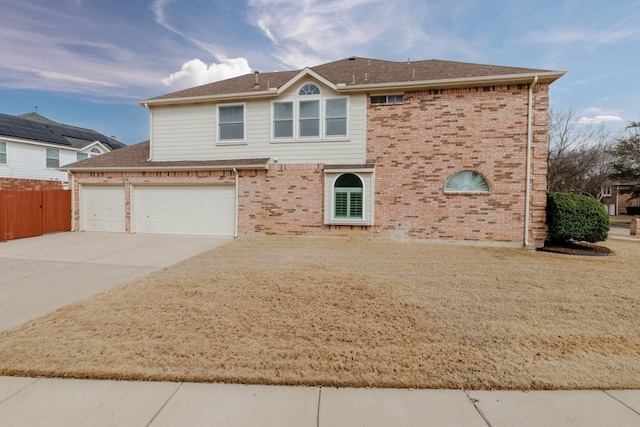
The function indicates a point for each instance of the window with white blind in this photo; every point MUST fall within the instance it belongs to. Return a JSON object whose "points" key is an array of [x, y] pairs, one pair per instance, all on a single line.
{"points": [[310, 116], [231, 123]]}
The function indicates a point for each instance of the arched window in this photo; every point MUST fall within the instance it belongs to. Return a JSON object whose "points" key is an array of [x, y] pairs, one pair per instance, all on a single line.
{"points": [[309, 89], [467, 182], [347, 196]]}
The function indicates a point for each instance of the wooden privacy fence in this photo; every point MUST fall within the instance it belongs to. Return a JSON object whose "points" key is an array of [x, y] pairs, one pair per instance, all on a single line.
{"points": [[33, 213]]}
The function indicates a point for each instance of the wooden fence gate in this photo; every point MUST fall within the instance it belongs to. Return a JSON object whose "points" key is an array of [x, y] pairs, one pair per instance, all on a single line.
{"points": [[34, 213]]}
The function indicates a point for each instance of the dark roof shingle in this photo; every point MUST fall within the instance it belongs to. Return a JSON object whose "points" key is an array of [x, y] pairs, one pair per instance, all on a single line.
{"points": [[137, 157], [357, 71]]}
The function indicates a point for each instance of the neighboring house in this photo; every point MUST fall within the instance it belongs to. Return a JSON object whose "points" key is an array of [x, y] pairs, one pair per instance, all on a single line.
{"points": [[33, 147], [435, 150], [616, 202]]}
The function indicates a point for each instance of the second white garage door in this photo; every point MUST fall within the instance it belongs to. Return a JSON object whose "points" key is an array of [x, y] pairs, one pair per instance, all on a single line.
{"points": [[184, 209]]}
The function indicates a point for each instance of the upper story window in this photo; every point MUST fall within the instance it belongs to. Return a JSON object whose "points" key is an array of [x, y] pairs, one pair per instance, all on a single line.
{"points": [[53, 158], [81, 156], [467, 182], [309, 122], [3, 153], [387, 99], [336, 117], [282, 120], [606, 191], [231, 123], [311, 116]]}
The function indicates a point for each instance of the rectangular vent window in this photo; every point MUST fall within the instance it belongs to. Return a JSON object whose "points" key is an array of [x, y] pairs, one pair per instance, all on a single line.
{"points": [[387, 99]]}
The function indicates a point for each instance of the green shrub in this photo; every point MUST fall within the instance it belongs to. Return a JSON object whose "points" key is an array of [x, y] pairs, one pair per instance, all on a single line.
{"points": [[575, 217]]}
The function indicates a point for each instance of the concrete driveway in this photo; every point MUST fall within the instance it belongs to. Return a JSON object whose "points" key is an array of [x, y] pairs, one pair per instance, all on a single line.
{"points": [[41, 274]]}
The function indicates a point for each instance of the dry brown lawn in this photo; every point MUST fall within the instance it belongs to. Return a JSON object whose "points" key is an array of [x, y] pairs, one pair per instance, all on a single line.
{"points": [[354, 312]]}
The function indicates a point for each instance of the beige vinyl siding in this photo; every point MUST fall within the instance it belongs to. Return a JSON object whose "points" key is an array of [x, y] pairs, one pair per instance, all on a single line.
{"points": [[184, 132], [190, 133]]}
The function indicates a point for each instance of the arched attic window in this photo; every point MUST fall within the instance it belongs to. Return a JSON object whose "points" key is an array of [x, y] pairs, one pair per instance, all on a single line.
{"points": [[467, 182], [309, 89]]}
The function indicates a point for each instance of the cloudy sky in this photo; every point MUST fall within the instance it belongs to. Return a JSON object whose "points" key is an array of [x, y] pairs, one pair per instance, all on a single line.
{"points": [[88, 62]]}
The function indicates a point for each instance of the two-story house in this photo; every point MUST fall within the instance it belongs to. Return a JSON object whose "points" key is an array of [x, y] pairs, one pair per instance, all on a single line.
{"points": [[431, 149], [33, 147]]}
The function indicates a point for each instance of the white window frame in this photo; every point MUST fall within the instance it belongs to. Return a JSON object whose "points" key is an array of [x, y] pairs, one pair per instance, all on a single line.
{"points": [[3, 153], [388, 99], [308, 98], [466, 173], [322, 107], [367, 177], [293, 121], [348, 217], [346, 117], [606, 191], [244, 124], [47, 158]]}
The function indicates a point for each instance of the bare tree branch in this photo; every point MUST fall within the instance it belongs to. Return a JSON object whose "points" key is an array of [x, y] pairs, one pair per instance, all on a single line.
{"points": [[579, 159]]}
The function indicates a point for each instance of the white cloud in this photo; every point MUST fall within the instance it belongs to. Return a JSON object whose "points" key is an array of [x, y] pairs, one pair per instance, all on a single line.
{"points": [[599, 119], [318, 31], [196, 73]]}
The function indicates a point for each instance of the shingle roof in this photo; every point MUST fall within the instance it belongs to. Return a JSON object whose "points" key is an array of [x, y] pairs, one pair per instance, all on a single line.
{"points": [[34, 127], [136, 157], [354, 72]]}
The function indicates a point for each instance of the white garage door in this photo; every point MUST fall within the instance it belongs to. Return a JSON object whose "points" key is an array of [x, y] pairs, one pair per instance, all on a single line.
{"points": [[102, 208], [184, 209]]}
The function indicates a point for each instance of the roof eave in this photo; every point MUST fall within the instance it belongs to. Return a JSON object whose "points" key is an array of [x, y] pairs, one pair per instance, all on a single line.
{"points": [[544, 77], [520, 78], [167, 168], [204, 98]]}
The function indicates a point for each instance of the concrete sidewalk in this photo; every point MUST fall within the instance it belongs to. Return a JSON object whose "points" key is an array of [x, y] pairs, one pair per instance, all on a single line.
{"points": [[41, 274], [67, 402]]}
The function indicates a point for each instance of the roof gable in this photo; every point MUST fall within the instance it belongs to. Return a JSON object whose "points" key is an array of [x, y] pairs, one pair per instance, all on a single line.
{"points": [[303, 74]]}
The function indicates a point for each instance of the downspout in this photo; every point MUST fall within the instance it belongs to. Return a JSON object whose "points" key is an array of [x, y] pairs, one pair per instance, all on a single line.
{"points": [[527, 203], [235, 220], [150, 130], [73, 201]]}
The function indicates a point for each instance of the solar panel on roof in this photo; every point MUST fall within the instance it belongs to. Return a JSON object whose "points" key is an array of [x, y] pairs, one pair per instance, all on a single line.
{"points": [[6, 130], [41, 136], [22, 132], [48, 132]]}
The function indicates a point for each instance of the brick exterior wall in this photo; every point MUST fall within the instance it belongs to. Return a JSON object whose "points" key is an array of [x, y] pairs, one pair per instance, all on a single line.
{"points": [[15, 184], [416, 147], [621, 200], [419, 144]]}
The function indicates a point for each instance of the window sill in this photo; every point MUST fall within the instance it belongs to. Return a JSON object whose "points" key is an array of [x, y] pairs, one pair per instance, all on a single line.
{"points": [[360, 222], [309, 140], [462, 193], [231, 143]]}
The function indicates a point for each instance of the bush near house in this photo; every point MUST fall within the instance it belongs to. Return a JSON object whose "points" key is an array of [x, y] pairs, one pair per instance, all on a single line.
{"points": [[577, 218]]}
